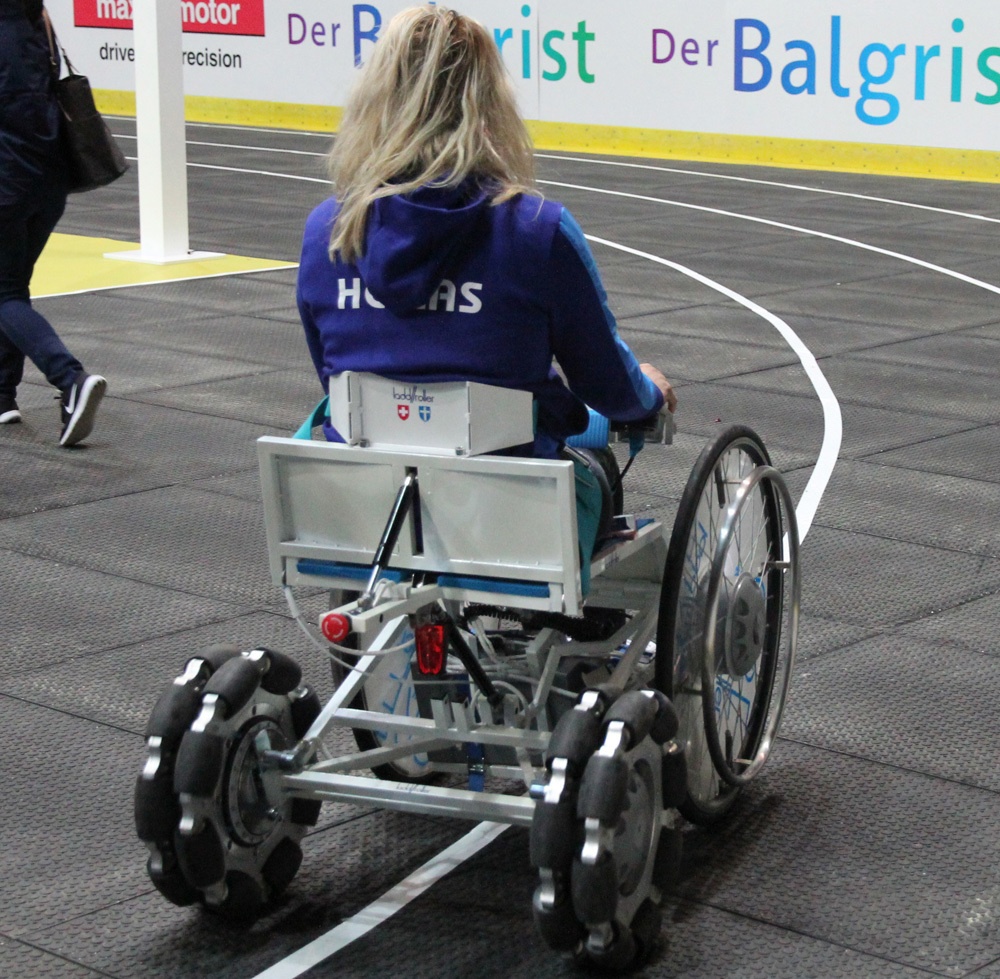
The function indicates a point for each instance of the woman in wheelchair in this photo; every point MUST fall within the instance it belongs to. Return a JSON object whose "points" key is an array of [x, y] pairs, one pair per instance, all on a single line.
{"points": [[438, 260]]}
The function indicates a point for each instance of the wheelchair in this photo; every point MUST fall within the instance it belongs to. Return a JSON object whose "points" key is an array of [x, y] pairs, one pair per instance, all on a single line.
{"points": [[475, 679]]}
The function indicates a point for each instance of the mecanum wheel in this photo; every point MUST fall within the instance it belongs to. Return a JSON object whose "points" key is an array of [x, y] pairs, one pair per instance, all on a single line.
{"points": [[598, 836], [214, 832], [727, 719]]}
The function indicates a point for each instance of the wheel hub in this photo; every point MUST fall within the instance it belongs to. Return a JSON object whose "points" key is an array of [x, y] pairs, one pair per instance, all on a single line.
{"points": [[633, 834], [745, 626], [250, 815]]}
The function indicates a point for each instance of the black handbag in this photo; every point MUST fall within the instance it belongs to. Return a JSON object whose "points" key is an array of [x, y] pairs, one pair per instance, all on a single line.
{"points": [[93, 157]]}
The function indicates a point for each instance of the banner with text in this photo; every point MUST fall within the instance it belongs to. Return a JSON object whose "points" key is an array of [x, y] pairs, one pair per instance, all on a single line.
{"points": [[904, 73]]}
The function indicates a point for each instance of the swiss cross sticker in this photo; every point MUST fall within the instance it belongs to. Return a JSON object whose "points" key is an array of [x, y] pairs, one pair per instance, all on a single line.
{"points": [[403, 411]]}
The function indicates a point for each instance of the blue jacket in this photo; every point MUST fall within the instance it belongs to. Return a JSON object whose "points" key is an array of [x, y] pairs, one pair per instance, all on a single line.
{"points": [[31, 152], [451, 287]]}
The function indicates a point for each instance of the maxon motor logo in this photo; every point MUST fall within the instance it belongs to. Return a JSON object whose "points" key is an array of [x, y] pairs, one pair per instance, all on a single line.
{"points": [[244, 17]]}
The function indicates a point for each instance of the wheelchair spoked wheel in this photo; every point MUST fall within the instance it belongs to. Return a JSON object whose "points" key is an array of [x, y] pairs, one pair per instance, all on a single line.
{"points": [[727, 707], [389, 688], [214, 833], [599, 838]]}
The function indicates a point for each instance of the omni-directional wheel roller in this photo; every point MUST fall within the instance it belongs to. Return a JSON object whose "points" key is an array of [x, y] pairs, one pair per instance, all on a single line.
{"points": [[597, 837], [728, 618], [202, 807]]}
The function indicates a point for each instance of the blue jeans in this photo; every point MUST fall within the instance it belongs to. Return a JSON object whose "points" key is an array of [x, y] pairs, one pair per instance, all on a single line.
{"points": [[24, 229]]}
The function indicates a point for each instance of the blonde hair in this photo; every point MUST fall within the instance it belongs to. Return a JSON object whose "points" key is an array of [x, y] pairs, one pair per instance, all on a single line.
{"points": [[433, 105]]}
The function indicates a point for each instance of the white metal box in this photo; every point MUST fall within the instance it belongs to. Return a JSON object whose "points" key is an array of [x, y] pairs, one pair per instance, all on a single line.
{"points": [[444, 418]]}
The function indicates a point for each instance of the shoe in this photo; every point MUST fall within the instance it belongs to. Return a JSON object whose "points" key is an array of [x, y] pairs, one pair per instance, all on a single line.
{"points": [[78, 405], [9, 411]]}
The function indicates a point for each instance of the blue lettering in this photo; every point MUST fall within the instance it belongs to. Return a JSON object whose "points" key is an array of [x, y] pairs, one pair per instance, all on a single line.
{"points": [[755, 54], [371, 34], [924, 55], [839, 90], [807, 64], [878, 78]]}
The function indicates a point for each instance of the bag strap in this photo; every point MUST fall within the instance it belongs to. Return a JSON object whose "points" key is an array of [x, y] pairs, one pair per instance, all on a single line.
{"points": [[53, 42], [53, 64]]}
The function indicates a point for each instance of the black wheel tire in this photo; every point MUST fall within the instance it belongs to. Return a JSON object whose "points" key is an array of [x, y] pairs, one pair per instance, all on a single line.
{"points": [[245, 850], [618, 888], [646, 930], [283, 673], [674, 677], [619, 956], [171, 882]]}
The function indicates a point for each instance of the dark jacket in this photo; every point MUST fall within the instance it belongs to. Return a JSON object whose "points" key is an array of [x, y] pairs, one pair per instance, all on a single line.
{"points": [[31, 156], [453, 288]]}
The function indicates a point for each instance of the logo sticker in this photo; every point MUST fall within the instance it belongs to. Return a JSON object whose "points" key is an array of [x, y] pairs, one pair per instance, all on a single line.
{"points": [[403, 411], [425, 413], [245, 17]]}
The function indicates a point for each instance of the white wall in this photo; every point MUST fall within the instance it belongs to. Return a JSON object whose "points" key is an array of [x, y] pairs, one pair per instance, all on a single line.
{"points": [[917, 73]]}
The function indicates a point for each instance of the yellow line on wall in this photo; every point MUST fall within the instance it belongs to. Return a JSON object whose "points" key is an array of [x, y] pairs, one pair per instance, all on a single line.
{"points": [[807, 154]]}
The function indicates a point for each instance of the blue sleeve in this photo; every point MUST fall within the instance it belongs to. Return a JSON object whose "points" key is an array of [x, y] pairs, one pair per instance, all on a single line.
{"points": [[599, 366], [314, 254]]}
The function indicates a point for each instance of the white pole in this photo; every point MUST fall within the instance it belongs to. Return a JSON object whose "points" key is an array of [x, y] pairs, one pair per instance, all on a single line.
{"points": [[159, 112]]}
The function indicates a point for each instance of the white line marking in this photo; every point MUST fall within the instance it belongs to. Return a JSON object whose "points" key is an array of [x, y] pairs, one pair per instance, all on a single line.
{"points": [[386, 906], [771, 183], [832, 421], [239, 146], [785, 227], [260, 173]]}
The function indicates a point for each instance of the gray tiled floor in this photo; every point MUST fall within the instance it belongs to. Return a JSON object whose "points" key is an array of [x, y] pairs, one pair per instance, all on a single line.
{"points": [[869, 845]]}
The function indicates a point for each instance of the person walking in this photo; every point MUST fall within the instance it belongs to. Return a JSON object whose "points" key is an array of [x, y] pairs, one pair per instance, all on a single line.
{"points": [[33, 188]]}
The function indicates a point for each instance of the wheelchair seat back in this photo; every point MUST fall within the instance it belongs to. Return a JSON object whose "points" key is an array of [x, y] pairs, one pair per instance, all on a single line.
{"points": [[496, 529]]}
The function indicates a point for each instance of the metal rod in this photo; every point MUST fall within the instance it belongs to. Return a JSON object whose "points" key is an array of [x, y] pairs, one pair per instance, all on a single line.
{"points": [[401, 507]]}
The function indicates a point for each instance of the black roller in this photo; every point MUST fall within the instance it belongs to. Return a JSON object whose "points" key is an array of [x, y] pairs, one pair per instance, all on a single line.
{"points": [[555, 835], [560, 929], [619, 955], [669, 850], [201, 856], [666, 725], [603, 789], [576, 736], [305, 812], [305, 710], [283, 673], [172, 883], [157, 811], [595, 890], [674, 768], [217, 654], [243, 901], [646, 930], [235, 682], [173, 714], [199, 763], [281, 866], [636, 711]]}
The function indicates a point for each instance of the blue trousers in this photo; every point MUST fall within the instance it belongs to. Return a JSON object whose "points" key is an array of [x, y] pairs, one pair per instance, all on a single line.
{"points": [[24, 229]]}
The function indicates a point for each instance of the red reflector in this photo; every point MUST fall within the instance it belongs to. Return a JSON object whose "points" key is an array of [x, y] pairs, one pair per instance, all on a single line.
{"points": [[430, 648], [335, 626]]}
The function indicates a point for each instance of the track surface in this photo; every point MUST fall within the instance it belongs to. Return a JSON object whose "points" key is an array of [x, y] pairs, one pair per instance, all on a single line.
{"points": [[869, 845]]}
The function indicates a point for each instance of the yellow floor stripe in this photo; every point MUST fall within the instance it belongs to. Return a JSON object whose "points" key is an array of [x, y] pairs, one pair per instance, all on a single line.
{"points": [[74, 263]]}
